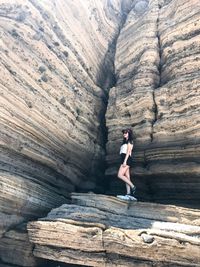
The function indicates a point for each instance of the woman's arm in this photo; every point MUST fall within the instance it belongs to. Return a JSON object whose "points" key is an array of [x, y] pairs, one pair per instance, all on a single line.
{"points": [[128, 153]]}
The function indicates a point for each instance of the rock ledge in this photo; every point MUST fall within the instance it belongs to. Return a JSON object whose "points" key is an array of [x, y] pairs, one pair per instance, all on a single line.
{"points": [[99, 230]]}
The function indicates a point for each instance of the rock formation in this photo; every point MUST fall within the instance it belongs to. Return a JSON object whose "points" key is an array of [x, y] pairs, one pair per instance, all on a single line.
{"points": [[57, 63], [99, 230], [16, 248], [157, 95]]}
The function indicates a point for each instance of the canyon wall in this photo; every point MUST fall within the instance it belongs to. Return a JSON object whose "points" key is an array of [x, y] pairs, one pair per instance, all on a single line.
{"points": [[157, 94], [56, 61]]}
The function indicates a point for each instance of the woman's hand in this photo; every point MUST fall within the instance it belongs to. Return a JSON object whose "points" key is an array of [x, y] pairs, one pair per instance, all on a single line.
{"points": [[124, 164]]}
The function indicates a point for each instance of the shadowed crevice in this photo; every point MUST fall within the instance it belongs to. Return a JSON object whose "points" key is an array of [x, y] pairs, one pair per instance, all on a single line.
{"points": [[155, 106]]}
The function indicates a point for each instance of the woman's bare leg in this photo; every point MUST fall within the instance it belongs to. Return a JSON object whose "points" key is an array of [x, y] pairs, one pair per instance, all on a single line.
{"points": [[127, 174], [121, 175]]}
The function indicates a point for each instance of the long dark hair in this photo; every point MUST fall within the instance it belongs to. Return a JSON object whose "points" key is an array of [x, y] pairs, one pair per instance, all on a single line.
{"points": [[130, 136]]}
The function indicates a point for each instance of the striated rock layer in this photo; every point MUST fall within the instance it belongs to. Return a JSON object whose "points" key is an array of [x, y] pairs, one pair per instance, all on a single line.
{"points": [[56, 61], [98, 230], [52, 107], [15, 248], [157, 94]]}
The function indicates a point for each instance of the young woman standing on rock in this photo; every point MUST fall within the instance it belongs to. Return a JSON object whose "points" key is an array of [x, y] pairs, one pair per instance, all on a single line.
{"points": [[126, 161]]}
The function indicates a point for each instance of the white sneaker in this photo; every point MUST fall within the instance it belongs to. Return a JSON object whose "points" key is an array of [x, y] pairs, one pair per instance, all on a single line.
{"points": [[131, 197], [126, 197]]}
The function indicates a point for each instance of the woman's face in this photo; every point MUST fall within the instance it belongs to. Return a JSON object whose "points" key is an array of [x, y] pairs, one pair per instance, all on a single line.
{"points": [[125, 134]]}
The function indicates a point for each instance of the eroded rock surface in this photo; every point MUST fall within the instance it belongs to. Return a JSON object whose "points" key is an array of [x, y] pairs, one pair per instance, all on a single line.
{"points": [[99, 230], [16, 249], [56, 61], [157, 94], [52, 106]]}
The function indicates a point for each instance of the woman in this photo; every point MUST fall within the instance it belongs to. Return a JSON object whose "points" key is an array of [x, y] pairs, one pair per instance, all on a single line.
{"points": [[126, 161]]}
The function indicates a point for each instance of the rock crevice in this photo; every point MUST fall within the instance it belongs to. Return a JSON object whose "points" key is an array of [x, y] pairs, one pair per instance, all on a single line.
{"points": [[155, 106], [62, 68], [156, 94], [52, 107]]}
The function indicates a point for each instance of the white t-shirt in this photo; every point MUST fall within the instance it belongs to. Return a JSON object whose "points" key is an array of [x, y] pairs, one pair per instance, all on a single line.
{"points": [[123, 149]]}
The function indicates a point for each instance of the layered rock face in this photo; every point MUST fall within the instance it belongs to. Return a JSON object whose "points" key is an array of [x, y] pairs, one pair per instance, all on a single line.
{"points": [[99, 230], [157, 95], [56, 61], [51, 105]]}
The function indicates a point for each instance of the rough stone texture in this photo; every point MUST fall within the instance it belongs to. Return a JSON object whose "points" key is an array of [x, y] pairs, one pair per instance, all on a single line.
{"points": [[56, 61], [7, 265], [157, 94], [52, 106], [99, 230], [16, 249]]}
